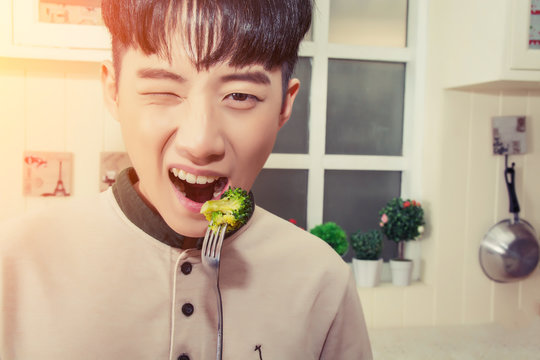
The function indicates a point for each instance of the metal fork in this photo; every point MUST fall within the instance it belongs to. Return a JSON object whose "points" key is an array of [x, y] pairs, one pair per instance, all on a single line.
{"points": [[210, 255]]}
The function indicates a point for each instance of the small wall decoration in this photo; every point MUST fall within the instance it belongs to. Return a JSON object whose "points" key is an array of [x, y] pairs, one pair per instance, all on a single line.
{"points": [[111, 163], [77, 12], [509, 135], [47, 173], [60, 24]]}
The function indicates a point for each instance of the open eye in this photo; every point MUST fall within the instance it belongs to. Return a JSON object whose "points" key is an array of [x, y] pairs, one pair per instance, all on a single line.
{"points": [[241, 101], [240, 96]]}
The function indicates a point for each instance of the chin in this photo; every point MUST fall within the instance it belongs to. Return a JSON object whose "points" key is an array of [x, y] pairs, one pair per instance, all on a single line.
{"points": [[191, 228]]}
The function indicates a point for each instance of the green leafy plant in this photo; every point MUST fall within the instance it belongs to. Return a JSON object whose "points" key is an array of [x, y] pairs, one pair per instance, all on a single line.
{"points": [[367, 245], [402, 220], [334, 235]]}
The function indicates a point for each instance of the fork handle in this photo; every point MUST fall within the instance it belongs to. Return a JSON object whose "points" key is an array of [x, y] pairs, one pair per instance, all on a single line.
{"points": [[219, 352]]}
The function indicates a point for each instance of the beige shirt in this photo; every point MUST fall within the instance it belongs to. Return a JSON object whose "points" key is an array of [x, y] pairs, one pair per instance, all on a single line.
{"points": [[82, 282]]}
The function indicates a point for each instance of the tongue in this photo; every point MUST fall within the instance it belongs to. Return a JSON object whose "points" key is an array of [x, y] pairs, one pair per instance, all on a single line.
{"points": [[199, 193]]}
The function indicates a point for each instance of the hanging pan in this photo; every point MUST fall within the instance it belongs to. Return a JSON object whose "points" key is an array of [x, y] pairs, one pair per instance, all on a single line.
{"points": [[509, 251]]}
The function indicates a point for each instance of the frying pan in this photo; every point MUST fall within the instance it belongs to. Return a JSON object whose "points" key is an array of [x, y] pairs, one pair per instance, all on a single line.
{"points": [[509, 250]]}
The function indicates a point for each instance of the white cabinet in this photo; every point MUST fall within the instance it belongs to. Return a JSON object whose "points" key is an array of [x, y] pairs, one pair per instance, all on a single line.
{"points": [[485, 44], [523, 55]]}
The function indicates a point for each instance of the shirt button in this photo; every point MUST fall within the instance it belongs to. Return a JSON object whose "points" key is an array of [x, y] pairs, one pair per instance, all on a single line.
{"points": [[188, 309], [183, 357], [186, 268]]}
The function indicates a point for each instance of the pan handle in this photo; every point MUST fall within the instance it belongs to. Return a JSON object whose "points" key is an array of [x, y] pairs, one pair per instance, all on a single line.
{"points": [[509, 177]]}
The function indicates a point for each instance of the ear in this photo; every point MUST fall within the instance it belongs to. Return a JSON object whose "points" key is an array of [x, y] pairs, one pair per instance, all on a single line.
{"points": [[288, 101], [109, 87]]}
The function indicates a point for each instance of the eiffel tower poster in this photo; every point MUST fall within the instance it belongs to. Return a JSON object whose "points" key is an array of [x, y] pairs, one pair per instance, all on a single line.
{"points": [[47, 174]]}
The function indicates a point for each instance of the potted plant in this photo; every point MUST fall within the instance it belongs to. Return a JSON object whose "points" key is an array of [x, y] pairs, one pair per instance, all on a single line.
{"points": [[367, 261], [332, 234], [401, 221]]}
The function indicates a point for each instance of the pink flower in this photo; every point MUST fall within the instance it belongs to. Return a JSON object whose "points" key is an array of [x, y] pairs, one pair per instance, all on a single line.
{"points": [[384, 219], [406, 204], [381, 224]]}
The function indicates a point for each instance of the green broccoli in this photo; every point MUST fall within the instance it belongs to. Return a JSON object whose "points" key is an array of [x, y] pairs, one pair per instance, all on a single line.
{"points": [[234, 209]]}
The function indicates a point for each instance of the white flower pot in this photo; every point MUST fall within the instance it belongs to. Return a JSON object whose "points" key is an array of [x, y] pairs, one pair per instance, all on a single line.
{"points": [[412, 252], [367, 272], [401, 271]]}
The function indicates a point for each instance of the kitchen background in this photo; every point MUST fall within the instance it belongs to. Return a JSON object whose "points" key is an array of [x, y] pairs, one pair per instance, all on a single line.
{"points": [[458, 76]]}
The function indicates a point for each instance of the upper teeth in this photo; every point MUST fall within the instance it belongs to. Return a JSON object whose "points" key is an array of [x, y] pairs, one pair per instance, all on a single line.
{"points": [[192, 178]]}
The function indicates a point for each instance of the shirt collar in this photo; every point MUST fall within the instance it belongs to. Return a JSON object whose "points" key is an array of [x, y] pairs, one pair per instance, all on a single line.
{"points": [[140, 212]]}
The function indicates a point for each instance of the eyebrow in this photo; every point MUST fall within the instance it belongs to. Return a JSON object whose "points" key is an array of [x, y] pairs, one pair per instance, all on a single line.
{"points": [[159, 74], [257, 77]]}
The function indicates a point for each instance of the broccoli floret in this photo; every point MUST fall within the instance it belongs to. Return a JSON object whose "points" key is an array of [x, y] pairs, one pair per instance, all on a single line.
{"points": [[234, 209]]}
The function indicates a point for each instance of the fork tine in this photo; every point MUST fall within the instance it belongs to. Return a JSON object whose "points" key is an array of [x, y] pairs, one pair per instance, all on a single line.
{"points": [[205, 241], [213, 240], [212, 246], [220, 240]]}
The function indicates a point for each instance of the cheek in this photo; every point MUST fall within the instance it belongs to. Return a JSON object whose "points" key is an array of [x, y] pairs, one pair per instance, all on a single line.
{"points": [[142, 130], [261, 143], [252, 146], [258, 135], [144, 141]]}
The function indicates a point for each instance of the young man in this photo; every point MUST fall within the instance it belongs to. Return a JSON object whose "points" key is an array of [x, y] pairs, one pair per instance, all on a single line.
{"points": [[200, 89]]}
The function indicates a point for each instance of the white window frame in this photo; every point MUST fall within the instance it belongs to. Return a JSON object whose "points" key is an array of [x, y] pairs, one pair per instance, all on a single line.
{"points": [[316, 161]]}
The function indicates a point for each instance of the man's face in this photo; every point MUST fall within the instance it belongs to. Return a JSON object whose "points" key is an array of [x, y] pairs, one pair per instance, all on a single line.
{"points": [[191, 135]]}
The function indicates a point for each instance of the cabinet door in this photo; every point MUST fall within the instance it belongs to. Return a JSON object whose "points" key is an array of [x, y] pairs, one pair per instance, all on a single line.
{"points": [[525, 39]]}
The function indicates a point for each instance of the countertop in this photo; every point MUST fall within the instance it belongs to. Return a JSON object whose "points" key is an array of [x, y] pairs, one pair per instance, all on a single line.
{"points": [[461, 342]]}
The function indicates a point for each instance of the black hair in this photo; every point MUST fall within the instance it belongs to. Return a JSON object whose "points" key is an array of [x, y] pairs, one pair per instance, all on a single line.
{"points": [[239, 32]]}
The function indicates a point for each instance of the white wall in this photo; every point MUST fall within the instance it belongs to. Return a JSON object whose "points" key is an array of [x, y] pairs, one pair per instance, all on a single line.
{"points": [[465, 194], [51, 106]]}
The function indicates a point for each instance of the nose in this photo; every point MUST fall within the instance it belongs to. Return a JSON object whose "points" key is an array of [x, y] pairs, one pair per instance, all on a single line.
{"points": [[198, 135]]}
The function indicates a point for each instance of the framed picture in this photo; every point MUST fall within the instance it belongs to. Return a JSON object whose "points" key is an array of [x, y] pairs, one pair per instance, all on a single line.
{"points": [[47, 173], [73, 24]]}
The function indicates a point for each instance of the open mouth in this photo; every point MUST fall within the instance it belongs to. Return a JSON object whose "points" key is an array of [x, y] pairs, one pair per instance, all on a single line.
{"points": [[197, 188]]}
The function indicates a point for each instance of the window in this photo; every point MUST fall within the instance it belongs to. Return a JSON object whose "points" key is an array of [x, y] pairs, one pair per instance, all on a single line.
{"points": [[352, 141]]}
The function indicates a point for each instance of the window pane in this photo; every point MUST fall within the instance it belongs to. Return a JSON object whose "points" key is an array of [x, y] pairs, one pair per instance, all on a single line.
{"points": [[352, 199], [283, 192], [365, 107], [293, 138], [368, 22]]}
